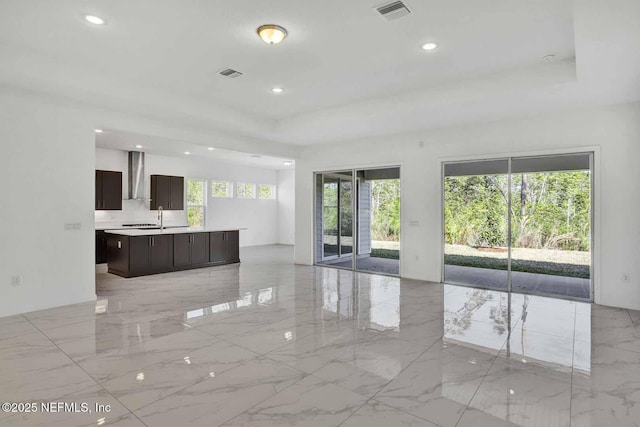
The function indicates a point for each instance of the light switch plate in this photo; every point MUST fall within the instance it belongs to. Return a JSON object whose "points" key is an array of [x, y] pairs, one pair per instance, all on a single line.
{"points": [[72, 226]]}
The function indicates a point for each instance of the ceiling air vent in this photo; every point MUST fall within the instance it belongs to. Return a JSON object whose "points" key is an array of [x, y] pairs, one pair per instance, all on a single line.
{"points": [[231, 73], [394, 10]]}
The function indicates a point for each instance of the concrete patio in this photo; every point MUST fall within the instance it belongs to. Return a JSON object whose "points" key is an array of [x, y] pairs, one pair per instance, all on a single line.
{"points": [[371, 264], [521, 282]]}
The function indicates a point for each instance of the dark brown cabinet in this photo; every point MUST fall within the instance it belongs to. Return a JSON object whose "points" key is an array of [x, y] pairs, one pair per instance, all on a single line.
{"points": [[101, 247], [150, 254], [224, 247], [190, 249], [233, 246], [176, 199], [118, 253], [168, 192], [217, 247], [131, 256], [108, 190]]}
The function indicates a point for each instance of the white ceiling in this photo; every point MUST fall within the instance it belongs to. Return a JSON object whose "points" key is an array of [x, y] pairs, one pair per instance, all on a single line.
{"points": [[126, 141], [346, 72]]}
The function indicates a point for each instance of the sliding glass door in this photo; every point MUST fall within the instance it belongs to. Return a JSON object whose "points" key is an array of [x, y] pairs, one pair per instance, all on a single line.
{"points": [[551, 225], [378, 213], [334, 218], [330, 218], [521, 224], [346, 216], [357, 219], [476, 218]]}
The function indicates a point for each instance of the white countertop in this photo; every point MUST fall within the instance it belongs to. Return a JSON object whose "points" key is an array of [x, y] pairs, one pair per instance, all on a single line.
{"points": [[102, 227], [181, 230]]}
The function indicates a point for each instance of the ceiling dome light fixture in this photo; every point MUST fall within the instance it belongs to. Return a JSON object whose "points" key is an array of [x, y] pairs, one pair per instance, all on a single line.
{"points": [[211, 148], [288, 163], [95, 20], [272, 34], [276, 90], [187, 153], [98, 130], [429, 46]]}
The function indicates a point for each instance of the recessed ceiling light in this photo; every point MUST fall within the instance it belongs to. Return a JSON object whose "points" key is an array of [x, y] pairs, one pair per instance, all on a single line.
{"points": [[98, 130], [211, 148], [429, 46], [288, 163], [95, 20], [272, 34], [276, 90], [187, 153], [138, 146]]}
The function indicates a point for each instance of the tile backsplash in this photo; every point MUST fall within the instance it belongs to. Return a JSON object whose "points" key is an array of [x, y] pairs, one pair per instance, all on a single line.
{"points": [[137, 211]]}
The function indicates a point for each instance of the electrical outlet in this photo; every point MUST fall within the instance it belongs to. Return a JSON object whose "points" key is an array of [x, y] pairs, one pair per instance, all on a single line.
{"points": [[72, 226], [16, 280], [414, 223]]}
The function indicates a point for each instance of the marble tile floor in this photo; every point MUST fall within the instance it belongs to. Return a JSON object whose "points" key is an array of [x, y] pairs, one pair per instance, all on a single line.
{"points": [[269, 343]]}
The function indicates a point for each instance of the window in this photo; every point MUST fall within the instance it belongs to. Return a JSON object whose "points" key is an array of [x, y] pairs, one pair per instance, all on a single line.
{"points": [[221, 189], [195, 202], [246, 191], [266, 191]]}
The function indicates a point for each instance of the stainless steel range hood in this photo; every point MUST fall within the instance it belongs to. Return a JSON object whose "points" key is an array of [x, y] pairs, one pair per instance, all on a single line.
{"points": [[136, 175]]}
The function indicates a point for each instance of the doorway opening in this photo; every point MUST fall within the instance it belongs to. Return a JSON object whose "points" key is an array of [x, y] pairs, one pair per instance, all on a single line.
{"points": [[357, 219], [520, 224]]}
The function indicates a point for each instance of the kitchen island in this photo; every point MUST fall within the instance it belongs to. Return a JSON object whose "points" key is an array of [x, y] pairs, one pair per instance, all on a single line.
{"points": [[141, 252]]}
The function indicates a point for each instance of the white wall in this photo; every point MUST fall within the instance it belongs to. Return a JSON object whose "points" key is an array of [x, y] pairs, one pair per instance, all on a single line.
{"points": [[613, 132], [286, 206], [46, 180], [260, 217]]}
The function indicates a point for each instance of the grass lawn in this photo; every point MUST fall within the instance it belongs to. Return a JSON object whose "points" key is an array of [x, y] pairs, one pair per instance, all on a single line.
{"points": [[525, 266], [385, 253]]}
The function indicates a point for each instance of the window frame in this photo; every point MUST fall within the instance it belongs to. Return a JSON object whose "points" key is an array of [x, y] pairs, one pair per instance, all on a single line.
{"points": [[274, 194], [204, 200], [229, 184], [253, 186]]}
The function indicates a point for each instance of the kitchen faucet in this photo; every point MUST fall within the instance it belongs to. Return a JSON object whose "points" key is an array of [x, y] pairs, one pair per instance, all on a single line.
{"points": [[161, 217]]}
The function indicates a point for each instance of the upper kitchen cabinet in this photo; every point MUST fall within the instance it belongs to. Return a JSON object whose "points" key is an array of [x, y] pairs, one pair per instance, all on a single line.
{"points": [[168, 192], [108, 190]]}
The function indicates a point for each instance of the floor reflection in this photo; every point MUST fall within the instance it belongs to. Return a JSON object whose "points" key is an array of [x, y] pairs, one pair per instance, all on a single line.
{"points": [[316, 343], [527, 328]]}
